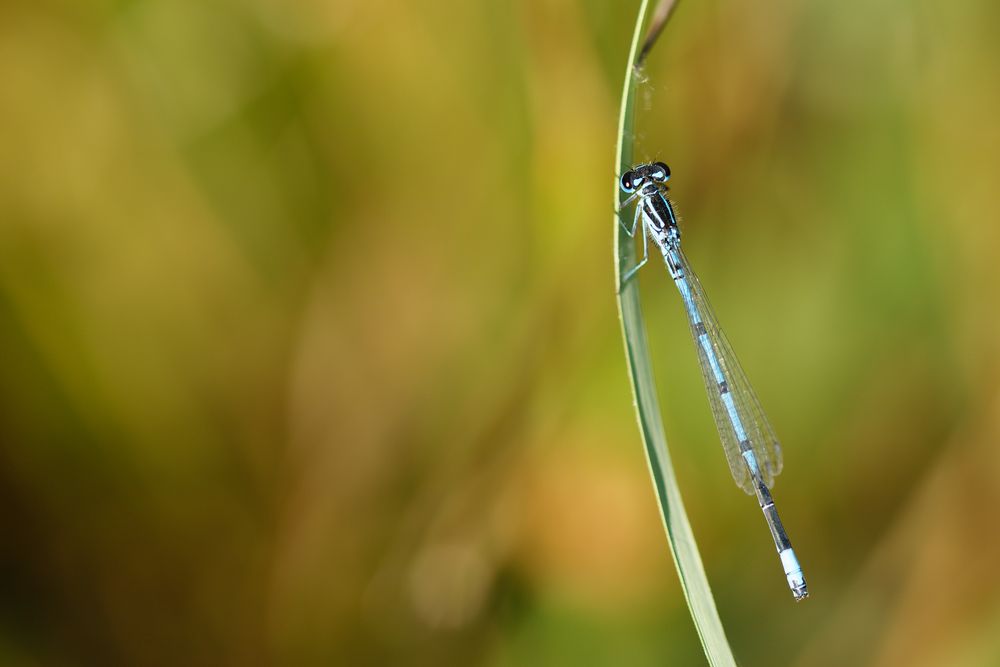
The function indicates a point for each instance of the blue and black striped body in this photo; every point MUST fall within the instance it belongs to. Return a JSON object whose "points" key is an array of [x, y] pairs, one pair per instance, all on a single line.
{"points": [[752, 450]]}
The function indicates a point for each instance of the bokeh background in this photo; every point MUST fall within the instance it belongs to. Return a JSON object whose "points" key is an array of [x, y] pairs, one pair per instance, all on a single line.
{"points": [[309, 351]]}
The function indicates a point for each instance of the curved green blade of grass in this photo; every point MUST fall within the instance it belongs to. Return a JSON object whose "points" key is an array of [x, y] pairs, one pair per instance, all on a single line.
{"points": [[675, 521]]}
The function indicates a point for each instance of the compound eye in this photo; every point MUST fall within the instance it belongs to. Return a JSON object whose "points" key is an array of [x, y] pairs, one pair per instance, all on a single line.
{"points": [[628, 182], [659, 172]]}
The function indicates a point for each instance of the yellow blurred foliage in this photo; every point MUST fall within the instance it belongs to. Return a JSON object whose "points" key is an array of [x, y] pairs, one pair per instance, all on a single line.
{"points": [[310, 353]]}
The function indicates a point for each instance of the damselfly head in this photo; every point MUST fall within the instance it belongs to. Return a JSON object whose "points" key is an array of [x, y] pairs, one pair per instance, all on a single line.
{"points": [[633, 179]]}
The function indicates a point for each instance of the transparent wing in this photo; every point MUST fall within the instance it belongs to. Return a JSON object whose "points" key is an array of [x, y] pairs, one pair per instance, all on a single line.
{"points": [[757, 428]]}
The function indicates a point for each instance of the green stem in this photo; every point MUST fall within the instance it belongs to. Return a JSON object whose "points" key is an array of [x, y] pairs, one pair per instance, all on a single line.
{"points": [[682, 544]]}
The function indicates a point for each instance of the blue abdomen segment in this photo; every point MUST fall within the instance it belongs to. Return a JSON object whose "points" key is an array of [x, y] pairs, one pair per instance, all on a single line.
{"points": [[752, 451]]}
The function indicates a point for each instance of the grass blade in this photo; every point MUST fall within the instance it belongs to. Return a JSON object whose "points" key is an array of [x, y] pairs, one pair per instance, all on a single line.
{"points": [[675, 521]]}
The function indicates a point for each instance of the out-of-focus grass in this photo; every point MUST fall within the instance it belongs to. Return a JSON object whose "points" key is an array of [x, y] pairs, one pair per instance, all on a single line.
{"points": [[310, 354]]}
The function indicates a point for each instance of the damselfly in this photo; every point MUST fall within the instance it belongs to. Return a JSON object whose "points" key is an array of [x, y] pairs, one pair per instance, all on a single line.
{"points": [[751, 447]]}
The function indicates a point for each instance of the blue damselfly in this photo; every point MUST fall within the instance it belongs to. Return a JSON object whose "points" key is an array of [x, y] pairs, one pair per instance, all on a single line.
{"points": [[751, 447]]}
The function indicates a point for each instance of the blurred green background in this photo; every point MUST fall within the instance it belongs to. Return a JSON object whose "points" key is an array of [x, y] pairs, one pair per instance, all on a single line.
{"points": [[310, 352]]}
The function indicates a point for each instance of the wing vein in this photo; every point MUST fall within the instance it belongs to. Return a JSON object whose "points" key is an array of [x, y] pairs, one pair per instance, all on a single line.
{"points": [[755, 424]]}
